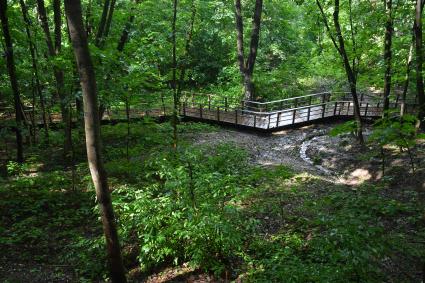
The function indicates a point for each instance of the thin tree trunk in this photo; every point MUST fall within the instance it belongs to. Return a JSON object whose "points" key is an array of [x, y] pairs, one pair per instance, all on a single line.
{"points": [[388, 55], [407, 78], [124, 34], [175, 98], [419, 62], [88, 18], [409, 66], [10, 62], [31, 45], [102, 33], [239, 32], [109, 19], [54, 50], [247, 68], [183, 66], [93, 139], [102, 23], [351, 77]]}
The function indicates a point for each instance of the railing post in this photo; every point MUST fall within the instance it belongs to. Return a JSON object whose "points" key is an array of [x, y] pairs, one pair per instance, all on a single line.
{"points": [[268, 125], [255, 120], [193, 99], [226, 105], [200, 110], [293, 116], [365, 112], [308, 113], [348, 108], [340, 108], [296, 102], [336, 105], [236, 116], [218, 113], [323, 110], [209, 102], [278, 118]]}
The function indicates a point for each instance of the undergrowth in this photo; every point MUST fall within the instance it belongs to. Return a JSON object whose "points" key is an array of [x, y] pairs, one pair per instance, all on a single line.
{"points": [[209, 207]]}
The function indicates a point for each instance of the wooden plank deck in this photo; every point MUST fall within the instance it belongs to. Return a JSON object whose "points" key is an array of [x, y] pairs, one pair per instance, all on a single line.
{"points": [[274, 115]]}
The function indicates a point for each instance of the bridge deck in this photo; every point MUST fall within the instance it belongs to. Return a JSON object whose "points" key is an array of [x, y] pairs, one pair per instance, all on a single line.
{"points": [[274, 115]]}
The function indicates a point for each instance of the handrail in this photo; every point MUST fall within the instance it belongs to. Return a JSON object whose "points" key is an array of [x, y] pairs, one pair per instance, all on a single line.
{"points": [[292, 109], [286, 99]]}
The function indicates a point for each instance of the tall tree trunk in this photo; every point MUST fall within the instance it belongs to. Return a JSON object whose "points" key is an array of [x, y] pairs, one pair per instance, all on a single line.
{"points": [[183, 65], [407, 78], [102, 33], [38, 88], [388, 55], [339, 44], [54, 50], [102, 23], [125, 32], [10, 62], [109, 18], [419, 62], [174, 86], [93, 139], [409, 66], [247, 68]]}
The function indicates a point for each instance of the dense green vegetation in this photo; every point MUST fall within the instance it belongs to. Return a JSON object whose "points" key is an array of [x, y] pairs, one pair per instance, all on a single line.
{"points": [[210, 207], [95, 153]]}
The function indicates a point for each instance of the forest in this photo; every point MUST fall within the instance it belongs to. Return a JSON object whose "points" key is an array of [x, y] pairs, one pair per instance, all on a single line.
{"points": [[212, 141]]}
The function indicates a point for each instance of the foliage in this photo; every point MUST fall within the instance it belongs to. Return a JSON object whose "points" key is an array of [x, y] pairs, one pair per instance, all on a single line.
{"points": [[398, 131], [344, 128], [187, 212], [342, 235]]}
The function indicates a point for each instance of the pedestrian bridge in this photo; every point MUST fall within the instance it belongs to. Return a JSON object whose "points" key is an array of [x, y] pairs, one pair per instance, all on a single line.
{"points": [[278, 114]]}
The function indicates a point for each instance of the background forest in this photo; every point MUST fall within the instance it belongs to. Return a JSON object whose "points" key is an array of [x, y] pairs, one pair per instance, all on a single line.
{"points": [[218, 205]]}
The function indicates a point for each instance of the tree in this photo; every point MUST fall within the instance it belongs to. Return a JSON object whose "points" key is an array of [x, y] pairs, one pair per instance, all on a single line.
{"points": [[419, 61], [339, 44], [93, 140], [31, 46], [247, 68], [54, 51], [388, 54], [10, 61], [174, 78]]}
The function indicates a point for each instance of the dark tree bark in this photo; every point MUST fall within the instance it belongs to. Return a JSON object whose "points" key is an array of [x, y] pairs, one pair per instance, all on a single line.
{"points": [[174, 82], [93, 139], [32, 49], [409, 67], [109, 18], [105, 22], [388, 55], [339, 44], [419, 62], [247, 68], [102, 23], [407, 78], [183, 65], [54, 50], [125, 32], [10, 62]]}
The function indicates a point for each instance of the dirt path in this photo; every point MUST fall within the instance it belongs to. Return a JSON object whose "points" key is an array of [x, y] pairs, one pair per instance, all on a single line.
{"points": [[279, 148], [310, 149]]}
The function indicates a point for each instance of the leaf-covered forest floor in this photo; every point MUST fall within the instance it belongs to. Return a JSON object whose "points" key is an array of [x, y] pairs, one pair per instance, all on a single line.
{"points": [[295, 206]]}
